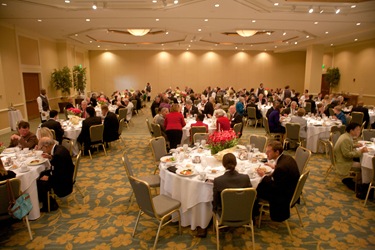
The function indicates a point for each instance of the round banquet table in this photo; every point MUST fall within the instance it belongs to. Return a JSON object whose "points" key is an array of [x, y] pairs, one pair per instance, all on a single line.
{"points": [[372, 116], [366, 162], [28, 179], [196, 195]]}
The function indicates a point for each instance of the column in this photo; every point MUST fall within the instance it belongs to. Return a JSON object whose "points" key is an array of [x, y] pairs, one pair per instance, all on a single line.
{"points": [[313, 68]]}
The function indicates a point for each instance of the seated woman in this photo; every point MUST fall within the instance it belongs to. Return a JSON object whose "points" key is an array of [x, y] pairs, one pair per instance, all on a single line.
{"points": [[274, 121], [222, 122], [320, 110], [339, 114], [302, 122], [5, 174], [230, 179]]}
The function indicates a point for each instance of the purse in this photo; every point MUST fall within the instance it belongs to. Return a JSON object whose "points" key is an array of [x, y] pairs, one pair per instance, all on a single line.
{"points": [[20, 207]]}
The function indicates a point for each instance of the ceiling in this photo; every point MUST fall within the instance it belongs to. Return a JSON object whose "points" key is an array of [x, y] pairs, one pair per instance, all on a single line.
{"points": [[281, 25]]}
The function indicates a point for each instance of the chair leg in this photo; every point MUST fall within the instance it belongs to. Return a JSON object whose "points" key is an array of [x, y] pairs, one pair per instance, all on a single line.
{"points": [[157, 234], [260, 215], [328, 171], [368, 193], [290, 232], [136, 222], [252, 234], [299, 216], [48, 202], [28, 227], [105, 151], [217, 235], [90, 154]]}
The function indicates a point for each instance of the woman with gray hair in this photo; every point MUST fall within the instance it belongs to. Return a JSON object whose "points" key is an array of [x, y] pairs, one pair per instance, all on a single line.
{"points": [[222, 122]]}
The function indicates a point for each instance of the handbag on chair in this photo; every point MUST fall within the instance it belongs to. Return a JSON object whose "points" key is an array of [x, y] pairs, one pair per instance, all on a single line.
{"points": [[20, 207]]}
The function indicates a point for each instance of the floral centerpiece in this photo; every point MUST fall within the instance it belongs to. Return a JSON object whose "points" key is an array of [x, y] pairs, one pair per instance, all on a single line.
{"points": [[2, 147], [74, 112], [221, 140], [102, 101]]}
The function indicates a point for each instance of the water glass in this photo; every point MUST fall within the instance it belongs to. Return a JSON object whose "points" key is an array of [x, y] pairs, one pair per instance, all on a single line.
{"points": [[185, 147], [203, 143]]}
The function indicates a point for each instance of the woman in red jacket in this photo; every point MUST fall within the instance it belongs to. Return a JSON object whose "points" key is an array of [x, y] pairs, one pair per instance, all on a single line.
{"points": [[173, 123]]}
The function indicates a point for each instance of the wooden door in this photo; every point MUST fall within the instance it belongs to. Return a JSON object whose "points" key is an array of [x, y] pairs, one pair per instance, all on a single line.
{"points": [[32, 91], [324, 88]]}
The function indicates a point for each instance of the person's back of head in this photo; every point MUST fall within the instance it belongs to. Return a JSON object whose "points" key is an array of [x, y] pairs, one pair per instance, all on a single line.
{"points": [[90, 111], [301, 112], [229, 161], [53, 113], [200, 117]]}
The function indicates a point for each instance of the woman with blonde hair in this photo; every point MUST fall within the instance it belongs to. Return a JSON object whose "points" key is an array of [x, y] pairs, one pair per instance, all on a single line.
{"points": [[5, 174], [44, 132], [173, 123]]}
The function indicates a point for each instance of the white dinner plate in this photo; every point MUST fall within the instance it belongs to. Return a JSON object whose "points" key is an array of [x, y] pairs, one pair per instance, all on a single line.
{"points": [[37, 162], [24, 171], [8, 151], [168, 159], [266, 168], [183, 172]]}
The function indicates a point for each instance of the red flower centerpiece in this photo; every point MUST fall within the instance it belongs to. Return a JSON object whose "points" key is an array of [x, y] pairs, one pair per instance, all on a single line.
{"points": [[102, 100], [220, 140], [74, 111]]}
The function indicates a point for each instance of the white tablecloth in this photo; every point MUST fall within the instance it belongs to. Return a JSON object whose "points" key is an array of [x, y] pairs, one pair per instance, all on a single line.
{"points": [[194, 194], [372, 116], [366, 164], [28, 183], [111, 108], [14, 117], [186, 130]]}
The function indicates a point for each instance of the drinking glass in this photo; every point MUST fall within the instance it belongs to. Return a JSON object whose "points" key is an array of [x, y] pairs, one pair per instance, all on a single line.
{"points": [[203, 143], [185, 147]]}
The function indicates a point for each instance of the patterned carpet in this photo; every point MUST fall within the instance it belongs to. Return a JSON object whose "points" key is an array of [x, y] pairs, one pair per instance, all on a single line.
{"points": [[333, 218]]}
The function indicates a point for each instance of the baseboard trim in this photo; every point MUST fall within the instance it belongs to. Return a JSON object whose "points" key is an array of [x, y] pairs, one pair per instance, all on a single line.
{"points": [[5, 130]]}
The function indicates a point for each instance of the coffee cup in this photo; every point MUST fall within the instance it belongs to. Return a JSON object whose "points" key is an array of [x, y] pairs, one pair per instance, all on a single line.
{"points": [[24, 168], [202, 175]]}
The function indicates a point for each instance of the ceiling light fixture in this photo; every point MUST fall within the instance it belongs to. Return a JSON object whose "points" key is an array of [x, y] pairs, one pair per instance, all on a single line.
{"points": [[316, 22], [217, 5], [167, 32], [246, 33], [276, 4], [353, 6], [355, 40], [358, 24], [138, 32], [4, 4], [253, 21], [154, 1], [284, 33], [39, 20], [311, 10], [321, 11], [88, 19], [67, 1], [157, 19], [307, 36], [337, 11], [175, 2], [94, 7]]}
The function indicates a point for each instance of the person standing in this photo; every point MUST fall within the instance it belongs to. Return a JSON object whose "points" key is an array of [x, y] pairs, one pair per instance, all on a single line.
{"points": [[173, 123], [43, 105], [148, 91]]}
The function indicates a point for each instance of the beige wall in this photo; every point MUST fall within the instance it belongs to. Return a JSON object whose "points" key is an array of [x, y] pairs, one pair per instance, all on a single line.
{"points": [[118, 70]]}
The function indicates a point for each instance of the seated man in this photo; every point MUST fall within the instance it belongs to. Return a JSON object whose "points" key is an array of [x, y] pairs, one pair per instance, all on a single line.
{"points": [[199, 122], [111, 125], [84, 136], [252, 104], [23, 138], [54, 125], [59, 177], [345, 152], [278, 187], [190, 109], [235, 117], [222, 122]]}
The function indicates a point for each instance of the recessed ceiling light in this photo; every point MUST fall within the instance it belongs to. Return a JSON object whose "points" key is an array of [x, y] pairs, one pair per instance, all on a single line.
{"points": [[253, 21], [215, 44], [353, 6], [268, 33], [39, 20], [265, 49], [276, 4], [236, 47], [189, 45], [124, 44], [157, 19], [67, 1], [358, 24], [154, 1], [355, 40], [175, 2], [199, 30], [316, 22], [94, 7], [167, 32], [295, 42], [337, 11], [90, 41], [311, 10], [326, 32], [331, 44], [284, 33], [275, 47], [162, 44], [98, 46], [307, 36], [217, 5], [75, 34], [88, 20], [206, 20], [187, 48], [4, 4], [321, 11], [251, 45]]}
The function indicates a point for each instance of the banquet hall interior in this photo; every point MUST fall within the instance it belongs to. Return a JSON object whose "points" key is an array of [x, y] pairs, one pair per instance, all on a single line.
{"points": [[184, 43]]}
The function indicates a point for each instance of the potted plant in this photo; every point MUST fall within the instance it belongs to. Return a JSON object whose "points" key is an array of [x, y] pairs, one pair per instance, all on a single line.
{"points": [[332, 77], [79, 79], [61, 79]]}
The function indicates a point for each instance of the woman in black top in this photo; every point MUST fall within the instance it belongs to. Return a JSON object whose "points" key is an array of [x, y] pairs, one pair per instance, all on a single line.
{"points": [[5, 174]]}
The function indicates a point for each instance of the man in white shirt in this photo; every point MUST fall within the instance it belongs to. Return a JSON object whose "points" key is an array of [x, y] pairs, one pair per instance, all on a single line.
{"points": [[43, 105]]}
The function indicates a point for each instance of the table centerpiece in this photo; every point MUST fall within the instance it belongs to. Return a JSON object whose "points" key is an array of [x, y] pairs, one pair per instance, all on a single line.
{"points": [[221, 140]]}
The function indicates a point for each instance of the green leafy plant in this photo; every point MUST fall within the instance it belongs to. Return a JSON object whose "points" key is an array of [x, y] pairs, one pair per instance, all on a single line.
{"points": [[62, 80], [333, 76], [79, 78]]}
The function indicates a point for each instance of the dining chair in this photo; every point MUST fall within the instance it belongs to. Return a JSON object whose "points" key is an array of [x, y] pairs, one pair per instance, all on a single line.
{"points": [[152, 180], [259, 141], [135, 109], [198, 137], [149, 127], [349, 119], [197, 129], [120, 129], [68, 144], [160, 207], [237, 128], [159, 149], [252, 116], [237, 210], [264, 205], [324, 141], [96, 137], [302, 158], [342, 129], [357, 117], [275, 136], [4, 201], [156, 130], [368, 134], [292, 133], [372, 183], [156, 110], [122, 113]]}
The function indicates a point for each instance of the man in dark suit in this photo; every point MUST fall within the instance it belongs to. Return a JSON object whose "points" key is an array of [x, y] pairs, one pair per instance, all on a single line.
{"points": [[190, 109], [278, 188], [208, 109], [59, 177], [54, 125], [313, 104], [234, 116], [364, 110], [111, 125], [84, 136]]}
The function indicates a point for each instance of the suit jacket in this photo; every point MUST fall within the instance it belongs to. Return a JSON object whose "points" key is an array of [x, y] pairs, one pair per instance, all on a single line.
{"points": [[313, 105], [344, 153], [84, 136], [237, 118], [366, 116], [257, 111], [193, 111], [208, 109], [230, 179], [111, 126], [56, 126], [61, 178], [278, 188], [274, 122]]}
